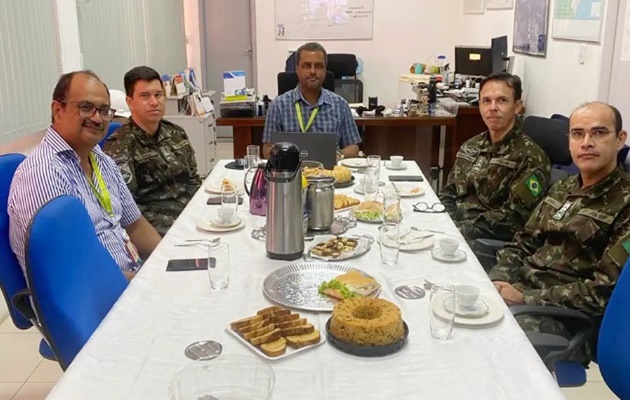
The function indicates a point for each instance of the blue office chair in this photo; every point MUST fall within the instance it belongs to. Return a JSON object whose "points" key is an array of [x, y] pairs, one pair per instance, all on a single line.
{"points": [[74, 281], [613, 352], [113, 126], [12, 281]]}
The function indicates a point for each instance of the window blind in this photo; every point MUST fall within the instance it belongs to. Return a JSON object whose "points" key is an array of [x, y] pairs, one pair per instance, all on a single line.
{"points": [[29, 66], [117, 35]]}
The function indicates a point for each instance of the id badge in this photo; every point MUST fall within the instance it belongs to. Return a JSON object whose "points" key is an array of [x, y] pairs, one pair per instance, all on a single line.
{"points": [[132, 250]]}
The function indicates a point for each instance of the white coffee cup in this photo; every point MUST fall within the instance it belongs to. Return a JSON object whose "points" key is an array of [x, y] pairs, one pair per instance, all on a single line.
{"points": [[396, 161], [467, 296], [226, 214], [449, 246]]}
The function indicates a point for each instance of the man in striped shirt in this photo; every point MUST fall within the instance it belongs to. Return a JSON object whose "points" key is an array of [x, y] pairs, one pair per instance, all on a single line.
{"points": [[68, 161], [311, 108]]}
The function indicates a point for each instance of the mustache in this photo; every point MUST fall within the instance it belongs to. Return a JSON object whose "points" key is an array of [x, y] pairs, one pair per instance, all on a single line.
{"points": [[92, 125]]}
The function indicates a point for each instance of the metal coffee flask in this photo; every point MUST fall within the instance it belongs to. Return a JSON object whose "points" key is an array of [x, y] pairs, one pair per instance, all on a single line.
{"points": [[285, 209], [320, 202]]}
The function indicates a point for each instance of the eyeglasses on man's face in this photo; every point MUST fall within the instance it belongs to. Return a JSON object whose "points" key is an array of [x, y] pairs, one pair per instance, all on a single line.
{"points": [[429, 208], [87, 110], [595, 133]]}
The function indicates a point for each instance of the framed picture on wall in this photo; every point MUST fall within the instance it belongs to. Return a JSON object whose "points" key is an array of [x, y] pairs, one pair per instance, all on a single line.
{"points": [[531, 20], [499, 4], [578, 20], [474, 6]]}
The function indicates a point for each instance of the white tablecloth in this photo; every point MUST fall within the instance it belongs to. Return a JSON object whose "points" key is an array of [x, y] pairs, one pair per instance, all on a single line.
{"points": [[140, 344]]}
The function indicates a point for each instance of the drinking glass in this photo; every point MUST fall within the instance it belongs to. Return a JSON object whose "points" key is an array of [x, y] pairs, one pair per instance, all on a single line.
{"points": [[390, 233], [374, 161], [441, 325], [370, 183], [254, 150], [251, 163], [219, 265], [391, 206], [229, 197]]}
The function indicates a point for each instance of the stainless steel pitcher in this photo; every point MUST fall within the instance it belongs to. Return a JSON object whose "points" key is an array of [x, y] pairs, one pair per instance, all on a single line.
{"points": [[320, 202]]}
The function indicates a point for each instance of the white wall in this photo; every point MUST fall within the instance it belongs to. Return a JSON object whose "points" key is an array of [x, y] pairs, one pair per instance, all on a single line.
{"points": [[405, 31], [193, 37], [555, 84]]}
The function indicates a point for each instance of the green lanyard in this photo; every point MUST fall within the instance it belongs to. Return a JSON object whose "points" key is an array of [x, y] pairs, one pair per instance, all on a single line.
{"points": [[103, 197], [298, 109]]}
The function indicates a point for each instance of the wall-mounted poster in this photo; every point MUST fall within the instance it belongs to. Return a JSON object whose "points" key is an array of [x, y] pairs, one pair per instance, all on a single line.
{"points": [[499, 4], [531, 18], [578, 19]]}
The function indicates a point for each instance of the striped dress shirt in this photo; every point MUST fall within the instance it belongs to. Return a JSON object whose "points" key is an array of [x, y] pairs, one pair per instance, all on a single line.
{"points": [[53, 170], [333, 116]]}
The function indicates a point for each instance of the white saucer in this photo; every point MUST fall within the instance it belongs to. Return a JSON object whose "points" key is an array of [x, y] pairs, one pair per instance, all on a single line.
{"points": [[358, 189], [354, 162], [457, 257], [206, 225], [215, 186], [479, 309], [495, 312], [221, 224], [389, 165]]}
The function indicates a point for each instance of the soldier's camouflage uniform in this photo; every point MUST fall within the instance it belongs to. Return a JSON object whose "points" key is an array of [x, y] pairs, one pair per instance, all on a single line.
{"points": [[493, 188], [572, 250], [160, 170]]}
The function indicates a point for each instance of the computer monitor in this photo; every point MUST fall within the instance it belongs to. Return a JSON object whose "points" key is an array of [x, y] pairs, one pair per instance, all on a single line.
{"points": [[499, 54], [314, 146], [473, 61], [289, 80]]}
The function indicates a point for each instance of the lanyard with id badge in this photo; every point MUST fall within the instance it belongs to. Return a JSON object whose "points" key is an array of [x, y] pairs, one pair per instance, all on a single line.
{"points": [[311, 118], [105, 200]]}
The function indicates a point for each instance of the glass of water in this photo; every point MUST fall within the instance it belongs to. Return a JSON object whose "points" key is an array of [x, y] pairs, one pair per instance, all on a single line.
{"points": [[219, 265], [229, 198], [391, 206], [370, 183], [441, 321], [390, 242], [253, 150]]}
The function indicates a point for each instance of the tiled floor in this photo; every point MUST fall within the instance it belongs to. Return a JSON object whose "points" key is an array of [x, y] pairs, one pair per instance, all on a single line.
{"points": [[24, 375]]}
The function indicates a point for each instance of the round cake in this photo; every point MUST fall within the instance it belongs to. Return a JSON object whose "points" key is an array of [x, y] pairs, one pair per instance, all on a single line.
{"points": [[366, 322]]}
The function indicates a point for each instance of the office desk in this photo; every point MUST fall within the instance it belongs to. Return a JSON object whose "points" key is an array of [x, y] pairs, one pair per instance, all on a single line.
{"points": [[416, 138]]}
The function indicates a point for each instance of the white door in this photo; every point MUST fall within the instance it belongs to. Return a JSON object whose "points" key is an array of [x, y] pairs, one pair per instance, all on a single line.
{"points": [[620, 70], [226, 45]]}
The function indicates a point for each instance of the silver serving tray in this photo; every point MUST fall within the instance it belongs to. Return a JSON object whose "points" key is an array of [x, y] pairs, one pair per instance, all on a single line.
{"points": [[295, 285]]}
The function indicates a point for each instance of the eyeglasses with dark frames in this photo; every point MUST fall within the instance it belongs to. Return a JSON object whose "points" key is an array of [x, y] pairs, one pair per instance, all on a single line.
{"points": [[87, 110], [429, 208], [595, 133]]}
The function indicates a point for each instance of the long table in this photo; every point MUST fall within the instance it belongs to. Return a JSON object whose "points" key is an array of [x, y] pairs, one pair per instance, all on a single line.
{"points": [[415, 138], [140, 344]]}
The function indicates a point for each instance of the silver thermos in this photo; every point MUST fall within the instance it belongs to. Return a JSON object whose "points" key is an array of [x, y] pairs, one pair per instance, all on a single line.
{"points": [[320, 202], [285, 208]]}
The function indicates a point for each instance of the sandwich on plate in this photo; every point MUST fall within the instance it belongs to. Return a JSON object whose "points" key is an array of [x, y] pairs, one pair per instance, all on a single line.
{"points": [[369, 211], [351, 284]]}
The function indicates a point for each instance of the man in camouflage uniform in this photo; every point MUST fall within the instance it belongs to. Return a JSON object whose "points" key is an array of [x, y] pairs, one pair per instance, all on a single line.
{"points": [[576, 242], [154, 155], [500, 175]]}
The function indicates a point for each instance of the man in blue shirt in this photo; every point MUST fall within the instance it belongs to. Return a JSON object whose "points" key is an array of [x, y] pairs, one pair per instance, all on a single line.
{"points": [[311, 108]]}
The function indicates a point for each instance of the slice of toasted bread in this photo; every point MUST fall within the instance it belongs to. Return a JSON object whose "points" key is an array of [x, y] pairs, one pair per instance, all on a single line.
{"points": [[284, 318], [276, 348], [308, 339], [259, 332], [245, 321], [271, 310], [253, 327], [297, 330], [266, 338], [288, 324]]}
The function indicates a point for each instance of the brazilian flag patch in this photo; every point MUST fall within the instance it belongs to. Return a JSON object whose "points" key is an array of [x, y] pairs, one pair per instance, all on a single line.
{"points": [[533, 184], [626, 245]]}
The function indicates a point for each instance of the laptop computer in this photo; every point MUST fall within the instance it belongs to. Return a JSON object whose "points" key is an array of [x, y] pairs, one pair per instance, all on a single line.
{"points": [[314, 146]]}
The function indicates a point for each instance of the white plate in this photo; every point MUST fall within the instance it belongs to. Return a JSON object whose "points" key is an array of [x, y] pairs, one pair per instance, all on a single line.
{"points": [[205, 225], [409, 189], [363, 246], [495, 311], [354, 162], [457, 257], [290, 351], [479, 309], [420, 244], [215, 186], [358, 189], [389, 165], [220, 224]]}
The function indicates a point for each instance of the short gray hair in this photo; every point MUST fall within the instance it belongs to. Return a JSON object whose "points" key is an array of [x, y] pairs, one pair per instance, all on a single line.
{"points": [[311, 46]]}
